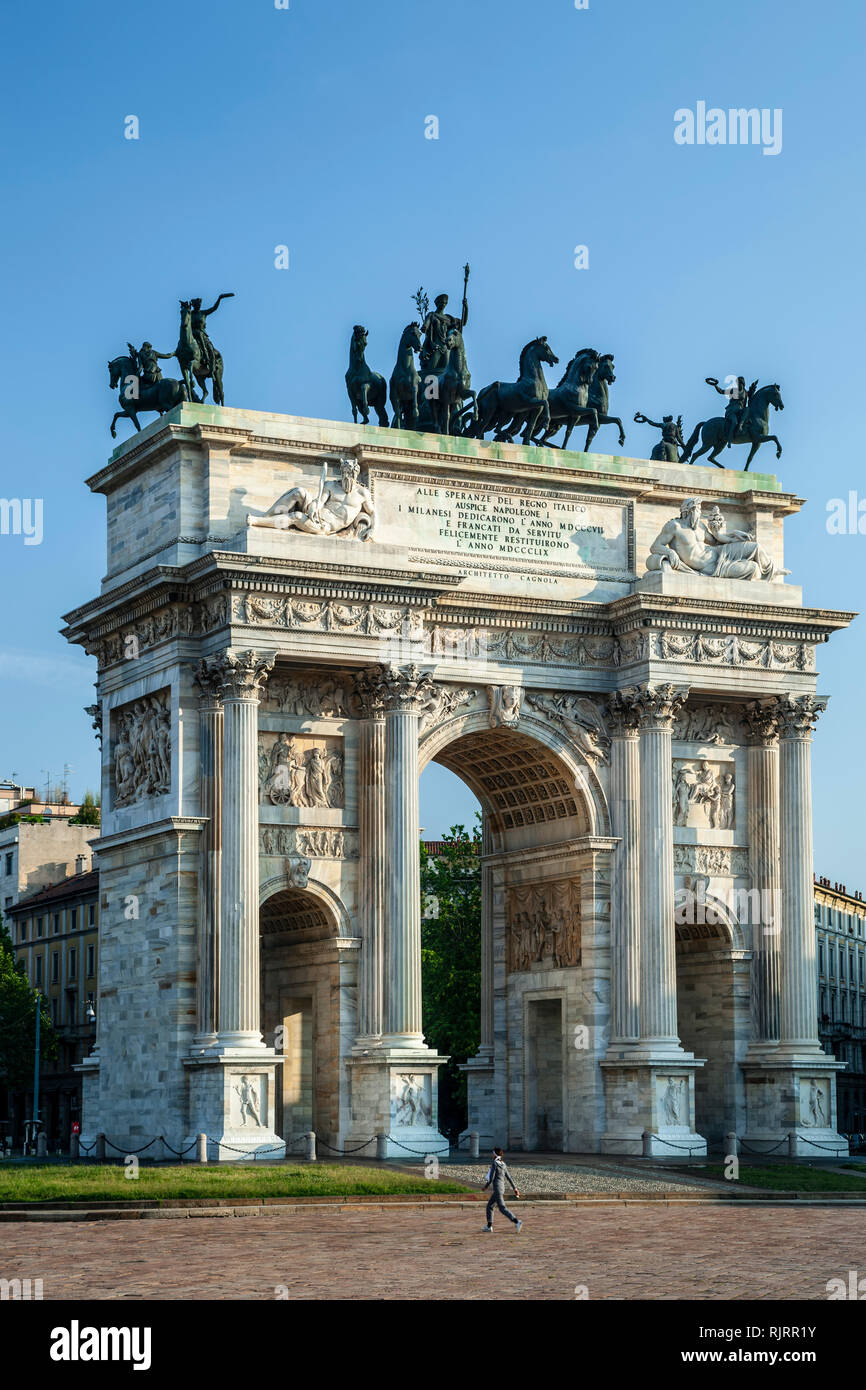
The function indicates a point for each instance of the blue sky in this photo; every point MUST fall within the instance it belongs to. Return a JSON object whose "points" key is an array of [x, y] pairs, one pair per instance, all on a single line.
{"points": [[305, 127]]}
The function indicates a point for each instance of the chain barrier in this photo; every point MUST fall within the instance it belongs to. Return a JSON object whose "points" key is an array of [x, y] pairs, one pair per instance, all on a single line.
{"points": [[221, 1144], [686, 1148], [86, 1148], [320, 1144], [432, 1153], [131, 1152], [741, 1143], [178, 1153], [834, 1148]]}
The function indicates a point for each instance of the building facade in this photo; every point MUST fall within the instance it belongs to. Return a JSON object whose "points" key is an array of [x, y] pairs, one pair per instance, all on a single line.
{"points": [[39, 851], [55, 933], [840, 926], [272, 679]]}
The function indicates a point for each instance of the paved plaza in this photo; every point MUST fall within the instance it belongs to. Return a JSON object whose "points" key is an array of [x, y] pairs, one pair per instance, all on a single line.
{"points": [[426, 1252]]}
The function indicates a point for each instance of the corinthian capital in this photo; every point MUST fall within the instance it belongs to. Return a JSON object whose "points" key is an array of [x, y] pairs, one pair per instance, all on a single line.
{"points": [[623, 713], [761, 722], [208, 676], [798, 714], [382, 689], [658, 706], [243, 674]]}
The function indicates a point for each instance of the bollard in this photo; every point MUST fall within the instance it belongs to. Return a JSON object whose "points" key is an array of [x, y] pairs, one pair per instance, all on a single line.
{"points": [[473, 1143], [381, 1146], [733, 1144], [74, 1151], [310, 1147], [647, 1144], [99, 1151], [792, 1144], [201, 1148], [42, 1146]]}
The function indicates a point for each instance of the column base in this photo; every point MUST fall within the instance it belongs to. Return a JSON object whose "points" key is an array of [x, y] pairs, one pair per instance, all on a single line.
{"points": [[394, 1092], [650, 1103], [791, 1104], [231, 1100]]}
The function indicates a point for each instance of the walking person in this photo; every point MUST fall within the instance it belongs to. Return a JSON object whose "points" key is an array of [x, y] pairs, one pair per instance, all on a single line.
{"points": [[497, 1174]]}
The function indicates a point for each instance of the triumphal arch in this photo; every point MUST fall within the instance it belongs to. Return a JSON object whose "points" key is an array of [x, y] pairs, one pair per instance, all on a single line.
{"points": [[297, 617]]}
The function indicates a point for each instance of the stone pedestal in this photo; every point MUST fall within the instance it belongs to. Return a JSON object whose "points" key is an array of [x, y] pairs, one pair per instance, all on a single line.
{"points": [[655, 1097], [395, 1093], [232, 1101]]}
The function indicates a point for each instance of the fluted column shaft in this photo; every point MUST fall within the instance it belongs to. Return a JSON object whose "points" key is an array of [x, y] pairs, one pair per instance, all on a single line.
{"points": [[764, 868], [799, 1012], [403, 889], [371, 821], [658, 981], [210, 781], [625, 883], [239, 983]]}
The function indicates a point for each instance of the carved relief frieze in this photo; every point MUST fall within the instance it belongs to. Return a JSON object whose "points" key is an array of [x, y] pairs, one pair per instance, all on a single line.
{"points": [[703, 793], [309, 696], [328, 615], [716, 861], [141, 749], [300, 770], [282, 841], [543, 924], [580, 716], [708, 723]]}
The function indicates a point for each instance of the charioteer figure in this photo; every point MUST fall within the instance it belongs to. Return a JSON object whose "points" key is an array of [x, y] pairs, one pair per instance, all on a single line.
{"points": [[668, 448], [436, 325], [198, 323], [148, 363]]}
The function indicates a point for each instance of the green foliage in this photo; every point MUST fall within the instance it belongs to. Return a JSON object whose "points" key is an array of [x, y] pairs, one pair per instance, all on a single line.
{"points": [[451, 960], [18, 1021], [89, 813], [15, 818]]}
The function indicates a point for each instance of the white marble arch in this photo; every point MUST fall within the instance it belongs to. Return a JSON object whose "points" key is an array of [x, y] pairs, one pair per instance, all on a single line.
{"points": [[585, 778], [321, 892]]}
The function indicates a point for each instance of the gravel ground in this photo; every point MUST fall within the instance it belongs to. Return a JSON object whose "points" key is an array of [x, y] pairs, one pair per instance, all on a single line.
{"points": [[558, 1177]]}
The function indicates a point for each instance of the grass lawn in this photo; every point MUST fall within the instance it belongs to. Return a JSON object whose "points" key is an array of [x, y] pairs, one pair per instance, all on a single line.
{"points": [[105, 1183], [788, 1177]]}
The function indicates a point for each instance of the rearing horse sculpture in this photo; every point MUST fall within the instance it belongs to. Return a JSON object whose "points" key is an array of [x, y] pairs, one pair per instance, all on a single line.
{"points": [[504, 405], [191, 363], [164, 395], [569, 400], [446, 404], [405, 380]]}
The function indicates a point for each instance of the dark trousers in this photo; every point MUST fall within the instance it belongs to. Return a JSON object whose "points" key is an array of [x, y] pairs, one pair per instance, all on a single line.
{"points": [[496, 1201]]}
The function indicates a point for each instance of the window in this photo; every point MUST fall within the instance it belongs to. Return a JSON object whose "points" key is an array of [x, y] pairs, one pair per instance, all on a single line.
{"points": [[860, 967], [39, 921], [57, 924], [841, 963], [73, 919], [38, 968], [54, 1010], [832, 956], [55, 966], [91, 915], [91, 959], [22, 931], [821, 957], [70, 970], [9, 860], [71, 1006]]}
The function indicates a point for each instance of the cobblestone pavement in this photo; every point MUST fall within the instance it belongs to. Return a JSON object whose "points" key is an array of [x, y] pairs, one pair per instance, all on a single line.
{"points": [[425, 1252], [562, 1177]]}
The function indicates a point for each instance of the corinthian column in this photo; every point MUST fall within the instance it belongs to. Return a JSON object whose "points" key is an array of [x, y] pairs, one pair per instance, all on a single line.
{"points": [[243, 676], [799, 1013], [658, 708], [762, 728], [625, 967], [371, 825], [485, 1047], [404, 691], [208, 678]]}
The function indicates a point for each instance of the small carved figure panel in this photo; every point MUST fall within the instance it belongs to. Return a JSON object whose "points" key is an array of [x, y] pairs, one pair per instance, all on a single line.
{"points": [[300, 770], [411, 1099], [543, 925], [141, 749], [703, 794]]}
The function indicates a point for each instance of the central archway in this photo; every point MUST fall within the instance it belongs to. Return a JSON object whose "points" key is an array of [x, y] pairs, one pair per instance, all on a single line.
{"points": [[545, 889]]}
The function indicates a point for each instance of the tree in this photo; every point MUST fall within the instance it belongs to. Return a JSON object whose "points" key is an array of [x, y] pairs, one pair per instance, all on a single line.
{"points": [[451, 961], [88, 812], [18, 1021]]}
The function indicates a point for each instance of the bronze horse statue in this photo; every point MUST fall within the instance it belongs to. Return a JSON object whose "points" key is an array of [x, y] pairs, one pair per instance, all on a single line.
{"points": [[366, 388], [134, 397], [447, 408], [192, 364], [752, 429], [504, 405], [405, 380], [569, 400]]}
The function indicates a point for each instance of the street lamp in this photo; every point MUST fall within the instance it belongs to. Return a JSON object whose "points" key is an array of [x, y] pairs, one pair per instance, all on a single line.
{"points": [[90, 1012]]}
